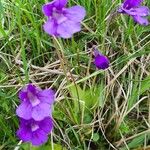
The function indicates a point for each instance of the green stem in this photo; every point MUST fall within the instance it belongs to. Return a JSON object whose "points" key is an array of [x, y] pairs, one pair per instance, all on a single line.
{"points": [[59, 50], [23, 53]]}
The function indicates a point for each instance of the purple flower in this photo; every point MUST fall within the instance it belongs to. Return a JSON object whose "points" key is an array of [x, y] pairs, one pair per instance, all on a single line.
{"points": [[137, 12], [100, 61], [34, 131], [35, 103], [62, 22]]}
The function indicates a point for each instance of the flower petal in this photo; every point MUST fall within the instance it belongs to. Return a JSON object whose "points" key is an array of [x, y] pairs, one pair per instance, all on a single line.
{"points": [[24, 110], [101, 62], [47, 9], [67, 28], [46, 125], [128, 4], [31, 88], [39, 137], [46, 96], [24, 133], [61, 18], [139, 11], [23, 95], [75, 13], [59, 4], [141, 20], [50, 27], [41, 111]]}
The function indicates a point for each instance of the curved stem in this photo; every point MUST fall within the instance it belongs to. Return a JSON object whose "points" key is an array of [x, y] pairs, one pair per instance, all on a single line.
{"points": [[59, 50]]}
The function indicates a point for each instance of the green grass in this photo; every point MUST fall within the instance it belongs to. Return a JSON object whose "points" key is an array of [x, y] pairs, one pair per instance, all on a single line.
{"points": [[94, 110]]}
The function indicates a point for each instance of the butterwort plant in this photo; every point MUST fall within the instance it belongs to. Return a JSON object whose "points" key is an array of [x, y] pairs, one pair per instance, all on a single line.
{"points": [[134, 9], [35, 114], [100, 60], [62, 21]]}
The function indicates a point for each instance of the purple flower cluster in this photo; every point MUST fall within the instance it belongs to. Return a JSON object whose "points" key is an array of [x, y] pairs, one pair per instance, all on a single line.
{"points": [[136, 11], [35, 114], [62, 22]]}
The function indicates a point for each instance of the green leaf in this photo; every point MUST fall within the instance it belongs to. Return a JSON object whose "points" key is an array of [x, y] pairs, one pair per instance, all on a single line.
{"points": [[136, 142], [138, 90], [44, 147], [95, 137], [3, 33], [89, 96]]}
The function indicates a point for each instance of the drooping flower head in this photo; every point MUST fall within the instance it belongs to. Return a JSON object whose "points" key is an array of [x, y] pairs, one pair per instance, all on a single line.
{"points": [[35, 132], [100, 61], [35, 103], [62, 22], [136, 11]]}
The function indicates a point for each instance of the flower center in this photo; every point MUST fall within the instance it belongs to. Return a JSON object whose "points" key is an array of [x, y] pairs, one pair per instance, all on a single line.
{"points": [[58, 16], [33, 99], [34, 127]]}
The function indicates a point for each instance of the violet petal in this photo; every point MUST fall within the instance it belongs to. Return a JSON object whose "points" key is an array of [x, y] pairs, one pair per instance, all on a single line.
{"points": [[24, 132], [46, 125], [47, 9], [59, 4], [67, 28], [75, 13], [41, 111], [50, 27], [139, 11], [38, 138], [128, 4], [24, 110], [23, 95], [141, 20], [47, 96], [101, 62], [32, 89]]}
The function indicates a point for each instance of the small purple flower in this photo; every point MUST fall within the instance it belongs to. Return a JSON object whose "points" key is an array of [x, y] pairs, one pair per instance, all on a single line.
{"points": [[35, 103], [62, 22], [137, 12], [100, 61], [34, 131]]}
